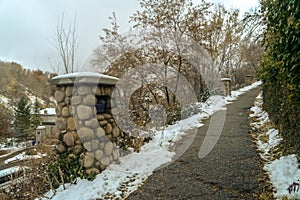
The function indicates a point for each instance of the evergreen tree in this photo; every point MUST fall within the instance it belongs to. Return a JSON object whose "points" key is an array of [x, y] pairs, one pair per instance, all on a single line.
{"points": [[22, 123], [35, 118]]}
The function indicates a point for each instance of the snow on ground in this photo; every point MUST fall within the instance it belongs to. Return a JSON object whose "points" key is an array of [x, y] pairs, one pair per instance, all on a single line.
{"points": [[48, 111], [12, 149], [283, 171], [4, 99], [32, 97], [119, 180], [23, 156], [10, 170]]}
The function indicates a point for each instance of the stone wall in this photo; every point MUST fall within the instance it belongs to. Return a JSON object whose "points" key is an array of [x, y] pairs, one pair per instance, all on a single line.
{"points": [[82, 132]]}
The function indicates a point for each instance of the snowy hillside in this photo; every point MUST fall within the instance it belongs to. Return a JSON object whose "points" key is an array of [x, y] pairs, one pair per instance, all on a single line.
{"points": [[16, 82]]}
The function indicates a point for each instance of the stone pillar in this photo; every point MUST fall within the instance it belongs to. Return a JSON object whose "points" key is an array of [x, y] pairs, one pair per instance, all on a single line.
{"points": [[227, 86], [82, 132]]}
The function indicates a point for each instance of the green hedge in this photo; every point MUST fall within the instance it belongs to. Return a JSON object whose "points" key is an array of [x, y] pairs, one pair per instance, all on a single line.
{"points": [[280, 69]]}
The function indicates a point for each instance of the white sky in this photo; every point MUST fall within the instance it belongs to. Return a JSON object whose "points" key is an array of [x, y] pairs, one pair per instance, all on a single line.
{"points": [[27, 26]]}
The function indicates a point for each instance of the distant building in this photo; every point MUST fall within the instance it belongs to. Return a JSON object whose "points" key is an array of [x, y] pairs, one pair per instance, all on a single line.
{"points": [[40, 134], [48, 116]]}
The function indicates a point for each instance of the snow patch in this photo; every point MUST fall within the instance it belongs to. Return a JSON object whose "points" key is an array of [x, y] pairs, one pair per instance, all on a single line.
{"points": [[283, 171], [23, 156]]}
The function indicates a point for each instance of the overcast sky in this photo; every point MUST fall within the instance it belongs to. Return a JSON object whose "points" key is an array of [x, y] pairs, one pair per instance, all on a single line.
{"points": [[27, 26]]}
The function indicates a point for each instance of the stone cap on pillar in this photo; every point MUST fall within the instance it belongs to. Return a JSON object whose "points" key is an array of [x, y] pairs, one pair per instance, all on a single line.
{"points": [[84, 77]]}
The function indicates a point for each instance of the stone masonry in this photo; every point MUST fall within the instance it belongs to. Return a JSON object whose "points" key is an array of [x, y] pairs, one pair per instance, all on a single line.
{"points": [[82, 131]]}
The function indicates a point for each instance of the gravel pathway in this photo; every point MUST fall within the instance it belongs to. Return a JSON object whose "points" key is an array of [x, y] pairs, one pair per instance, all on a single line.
{"points": [[232, 170]]}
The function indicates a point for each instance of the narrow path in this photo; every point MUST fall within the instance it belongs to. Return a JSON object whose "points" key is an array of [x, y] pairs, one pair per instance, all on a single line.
{"points": [[230, 171]]}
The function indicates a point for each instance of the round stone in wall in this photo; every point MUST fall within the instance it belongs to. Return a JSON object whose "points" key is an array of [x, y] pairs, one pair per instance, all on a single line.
{"points": [[84, 90], [93, 123], [59, 96], [100, 132], [76, 100], [84, 112], [69, 91], [116, 131], [89, 99], [98, 154], [103, 123], [92, 171], [91, 145], [69, 139], [105, 160], [100, 117], [88, 160], [85, 133], [108, 148], [108, 129], [61, 123], [65, 111], [71, 124]]}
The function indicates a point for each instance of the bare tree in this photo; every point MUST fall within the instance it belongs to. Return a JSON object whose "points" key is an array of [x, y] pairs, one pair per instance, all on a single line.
{"points": [[66, 43]]}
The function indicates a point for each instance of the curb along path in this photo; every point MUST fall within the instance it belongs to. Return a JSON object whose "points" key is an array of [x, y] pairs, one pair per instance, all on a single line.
{"points": [[230, 171]]}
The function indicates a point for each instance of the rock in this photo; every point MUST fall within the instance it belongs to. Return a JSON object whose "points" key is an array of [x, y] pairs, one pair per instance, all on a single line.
{"points": [[85, 133], [89, 100], [108, 148], [76, 100], [84, 90], [65, 111], [102, 167], [108, 129], [59, 96], [68, 100], [100, 132], [71, 124], [88, 160], [98, 155], [101, 145], [100, 117], [116, 154], [84, 112], [61, 123], [72, 110], [60, 148], [93, 123], [116, 131], [69, 91], [109, 137], [69, 139], [105, 161], [77, 149], [103, 123], [92, 171], [91, 145], [107, 116]]}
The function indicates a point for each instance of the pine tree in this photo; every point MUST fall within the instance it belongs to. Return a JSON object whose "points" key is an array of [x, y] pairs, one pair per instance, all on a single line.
{"points": [[35, 117], [22, 124]]}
